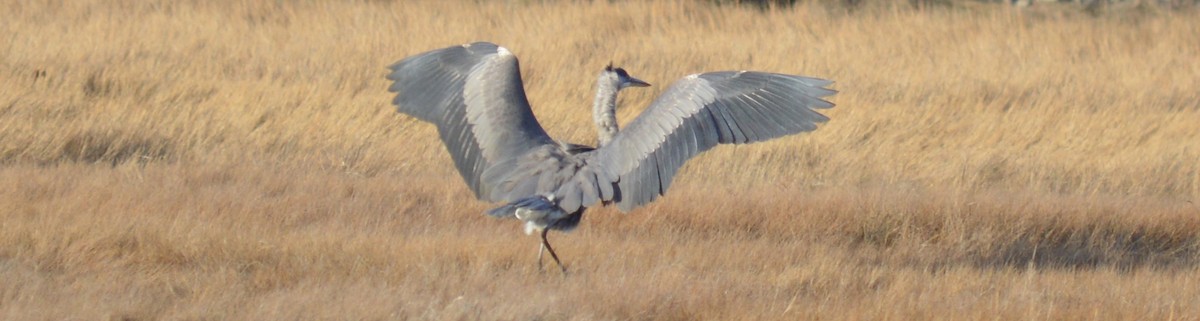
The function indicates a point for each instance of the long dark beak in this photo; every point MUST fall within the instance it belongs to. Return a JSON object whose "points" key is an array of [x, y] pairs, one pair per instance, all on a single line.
{"points": [[638, 82]]}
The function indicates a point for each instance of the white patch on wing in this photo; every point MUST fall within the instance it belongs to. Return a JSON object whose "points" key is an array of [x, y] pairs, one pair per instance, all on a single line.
{"points": [[503, 51]]}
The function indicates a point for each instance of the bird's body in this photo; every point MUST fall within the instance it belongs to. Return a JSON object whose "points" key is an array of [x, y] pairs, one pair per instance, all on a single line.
{"points": [[539, 213], [474, 94]]}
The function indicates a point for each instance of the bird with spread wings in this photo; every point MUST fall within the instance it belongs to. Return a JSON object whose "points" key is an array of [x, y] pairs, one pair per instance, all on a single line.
{"points": [[473, 93]]}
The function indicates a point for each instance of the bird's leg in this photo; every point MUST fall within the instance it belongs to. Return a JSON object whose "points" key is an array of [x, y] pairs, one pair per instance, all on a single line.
{"points": [[541, 250], [546, 245]]}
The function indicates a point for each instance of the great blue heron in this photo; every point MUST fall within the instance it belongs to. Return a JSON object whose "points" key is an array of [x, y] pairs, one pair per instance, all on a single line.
{"points": [[474, 95]]}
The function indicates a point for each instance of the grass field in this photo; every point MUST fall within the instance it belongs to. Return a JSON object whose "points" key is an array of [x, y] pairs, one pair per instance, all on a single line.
{"points": [[239, 160]]}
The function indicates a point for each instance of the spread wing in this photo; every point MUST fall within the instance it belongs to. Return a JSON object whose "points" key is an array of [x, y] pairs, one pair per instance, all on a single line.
{"points": [[693, 115], [474, 95]]}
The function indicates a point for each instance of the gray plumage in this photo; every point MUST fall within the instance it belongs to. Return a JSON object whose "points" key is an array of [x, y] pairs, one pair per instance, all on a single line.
{"points": [[474, 95]]}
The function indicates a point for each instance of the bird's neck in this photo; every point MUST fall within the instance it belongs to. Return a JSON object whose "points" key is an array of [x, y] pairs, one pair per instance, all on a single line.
{"points": [[604, 110]]}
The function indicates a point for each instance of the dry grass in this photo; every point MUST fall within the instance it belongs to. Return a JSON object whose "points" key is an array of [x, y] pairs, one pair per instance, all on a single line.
{"points": [[237, 160]]}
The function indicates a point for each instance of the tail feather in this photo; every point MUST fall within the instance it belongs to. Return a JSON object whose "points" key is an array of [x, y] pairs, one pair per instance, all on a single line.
{"points": [[508, 210]]}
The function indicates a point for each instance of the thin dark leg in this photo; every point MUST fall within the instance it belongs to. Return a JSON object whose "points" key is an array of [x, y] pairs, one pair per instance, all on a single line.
{"points": [[541, 267], [546, 245]]}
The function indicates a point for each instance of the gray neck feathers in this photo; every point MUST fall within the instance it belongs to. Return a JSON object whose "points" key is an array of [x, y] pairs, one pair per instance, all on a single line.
{"points": [[604, 109]]}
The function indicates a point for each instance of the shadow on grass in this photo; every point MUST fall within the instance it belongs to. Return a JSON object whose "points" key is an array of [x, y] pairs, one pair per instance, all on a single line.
{"points": [[113, 148], [1098, 248]]}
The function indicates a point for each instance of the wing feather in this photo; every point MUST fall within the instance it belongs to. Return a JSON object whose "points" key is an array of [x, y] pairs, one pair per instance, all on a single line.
{"points": [[474, 95], [694, 115]]}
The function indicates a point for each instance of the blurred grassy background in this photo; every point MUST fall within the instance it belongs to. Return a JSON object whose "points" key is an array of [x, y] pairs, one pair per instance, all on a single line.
{"points": [[239, 160]]}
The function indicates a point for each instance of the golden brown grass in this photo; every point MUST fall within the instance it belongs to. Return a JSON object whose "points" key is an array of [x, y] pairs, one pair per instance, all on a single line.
{"points": [[238, 160]]}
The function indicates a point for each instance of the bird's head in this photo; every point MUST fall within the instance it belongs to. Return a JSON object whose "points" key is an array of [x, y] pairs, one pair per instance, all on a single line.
{"points": [[622, 78]]}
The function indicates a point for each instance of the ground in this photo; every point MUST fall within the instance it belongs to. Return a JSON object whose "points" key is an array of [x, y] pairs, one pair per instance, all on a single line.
{"points": [[239, 160]]}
